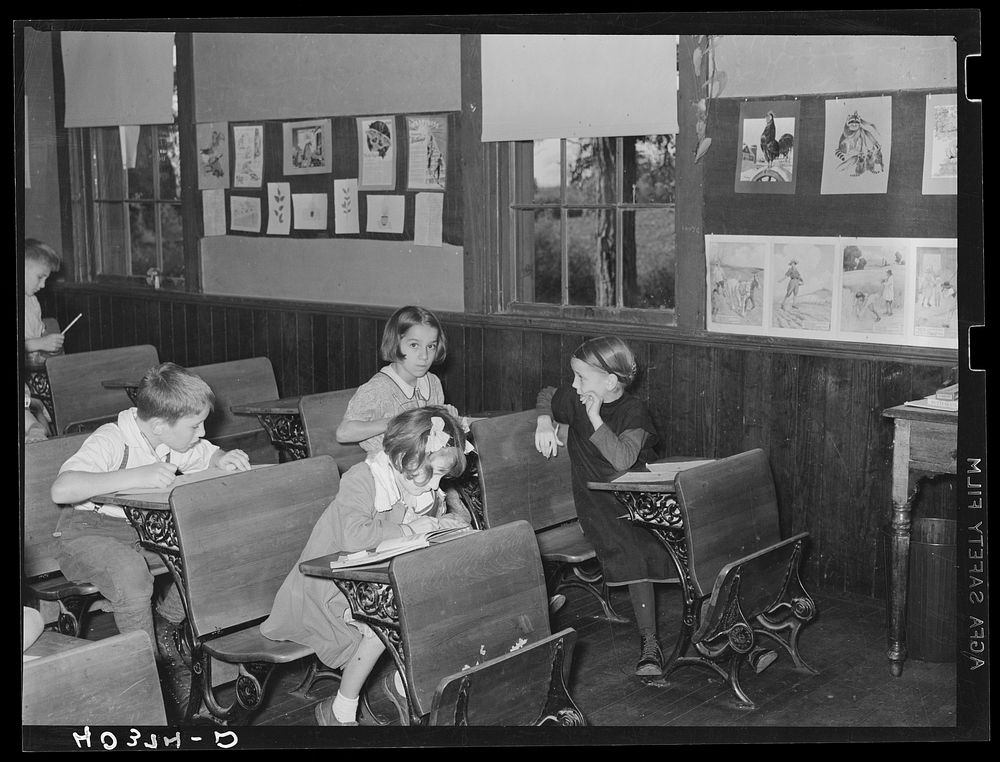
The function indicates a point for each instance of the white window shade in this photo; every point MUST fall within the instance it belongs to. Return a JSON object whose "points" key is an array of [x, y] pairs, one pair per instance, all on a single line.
{"points": [[556, 86], [118, 78]]}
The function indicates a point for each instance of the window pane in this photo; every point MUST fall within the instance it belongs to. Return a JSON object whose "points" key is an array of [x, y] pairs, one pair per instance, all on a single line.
{"points": [[143, 226], [545, 188], [140, 179], [591, 165], [172, 227], [539, 268], [591, 257], [112, 244], [649, 170], [110, 175], [649, 256], [170, 163]]}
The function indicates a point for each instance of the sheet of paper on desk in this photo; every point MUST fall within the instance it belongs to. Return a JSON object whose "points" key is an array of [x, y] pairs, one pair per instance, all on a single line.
{"points": [[661, 471], [191, 478]]}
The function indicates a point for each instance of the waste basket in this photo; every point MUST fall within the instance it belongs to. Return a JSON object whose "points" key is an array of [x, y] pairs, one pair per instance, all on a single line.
{"points": [[931, 602]]}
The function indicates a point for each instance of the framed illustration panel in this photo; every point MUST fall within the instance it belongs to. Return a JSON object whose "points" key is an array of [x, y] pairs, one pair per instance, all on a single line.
{"points": [[737, 275], [941, 145], [306, 147], [766, 147], [377, 153]]}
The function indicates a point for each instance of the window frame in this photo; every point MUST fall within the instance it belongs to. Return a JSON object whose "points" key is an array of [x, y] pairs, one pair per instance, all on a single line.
{"points": [[85, 201]]}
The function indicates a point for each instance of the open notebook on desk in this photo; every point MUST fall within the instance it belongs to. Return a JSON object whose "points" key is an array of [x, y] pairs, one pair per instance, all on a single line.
{"points": [[661, 470], [397, 546]]}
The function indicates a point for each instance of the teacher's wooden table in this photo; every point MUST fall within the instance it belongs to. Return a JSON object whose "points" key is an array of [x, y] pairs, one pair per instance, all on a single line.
{"points": [[924, 442]]}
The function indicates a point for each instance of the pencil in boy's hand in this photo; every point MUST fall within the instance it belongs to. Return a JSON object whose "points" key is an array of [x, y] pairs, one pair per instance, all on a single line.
{"points": [[71, 323]]}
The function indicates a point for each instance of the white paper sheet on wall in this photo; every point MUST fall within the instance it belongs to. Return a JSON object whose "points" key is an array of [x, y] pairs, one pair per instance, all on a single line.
{"points": [[279, 209], [345, 206], [309, 211], [427, 219], [385, 214], [213, 211]]}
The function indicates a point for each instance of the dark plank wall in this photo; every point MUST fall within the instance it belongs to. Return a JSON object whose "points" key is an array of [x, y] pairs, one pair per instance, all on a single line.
{"points": [[817, 417]]}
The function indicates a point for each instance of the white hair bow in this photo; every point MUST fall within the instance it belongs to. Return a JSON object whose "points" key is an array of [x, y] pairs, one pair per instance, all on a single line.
{"points": [[437, 437]]}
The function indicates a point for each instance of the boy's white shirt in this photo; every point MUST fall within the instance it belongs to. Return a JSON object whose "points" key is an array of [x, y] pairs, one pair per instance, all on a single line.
{"points": [[34, 326], [102, 453]]}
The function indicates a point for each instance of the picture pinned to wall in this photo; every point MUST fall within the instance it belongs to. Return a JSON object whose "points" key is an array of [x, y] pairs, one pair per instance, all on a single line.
{"points": [[935, 308], [803, 288], [307, 147], [377, 153], [244, 214], [874, 278], [309, 211], [279, 208], [427, 214], [213, 155], [345, 206], [385, 214], [941, 145], [248, 155], [213, 211], [766, 161], [428, 152], [857, 145], [736, 279]]}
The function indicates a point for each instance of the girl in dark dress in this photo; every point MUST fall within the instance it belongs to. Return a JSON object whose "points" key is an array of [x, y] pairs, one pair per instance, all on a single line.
{"points": [[609, 431]]}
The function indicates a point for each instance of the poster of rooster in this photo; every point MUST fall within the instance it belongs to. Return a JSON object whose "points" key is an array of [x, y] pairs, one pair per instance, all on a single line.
{"points": [[857, 145], [767, 144]]}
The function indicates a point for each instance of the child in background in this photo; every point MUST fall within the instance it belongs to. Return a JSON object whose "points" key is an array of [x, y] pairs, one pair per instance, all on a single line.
{"points": [[394, 492], [609, 431], [148, 446], [40, 261]]}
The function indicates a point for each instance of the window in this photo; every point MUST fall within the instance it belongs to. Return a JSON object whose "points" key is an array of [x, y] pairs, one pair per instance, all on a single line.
{"points": [[132, 218], [592, 226]]}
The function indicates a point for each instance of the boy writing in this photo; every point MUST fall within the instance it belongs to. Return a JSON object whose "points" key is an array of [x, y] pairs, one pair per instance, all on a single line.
{"points": [[40, 261], [148, 446]]}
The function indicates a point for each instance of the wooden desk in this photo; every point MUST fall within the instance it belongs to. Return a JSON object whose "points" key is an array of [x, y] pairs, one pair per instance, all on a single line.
{"points": [[130, 386], [926, 442], [282, 422]]}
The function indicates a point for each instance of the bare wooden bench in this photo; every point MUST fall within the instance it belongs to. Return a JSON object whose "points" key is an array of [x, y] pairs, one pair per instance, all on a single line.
{"points": [[109, 682], [239, 535], [517, 482], [79, 401], [40, 548]]}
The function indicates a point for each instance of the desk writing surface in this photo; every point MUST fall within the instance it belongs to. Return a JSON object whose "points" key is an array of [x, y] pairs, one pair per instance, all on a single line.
{"points": [[283, 406], [320, 567], [159, 497], [659, 478], [927, 415]]}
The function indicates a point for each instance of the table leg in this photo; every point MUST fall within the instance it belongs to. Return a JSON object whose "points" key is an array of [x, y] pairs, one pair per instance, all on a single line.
{"points": [[900, 547]]}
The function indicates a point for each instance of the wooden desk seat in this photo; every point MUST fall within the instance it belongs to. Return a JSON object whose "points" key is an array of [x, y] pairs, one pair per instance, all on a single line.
{"points": [[110, 682], [239, 382], [516, 482], [42, 578], [79, 401], [474, 601], [239, 535], [321, 414], [745, 578]]}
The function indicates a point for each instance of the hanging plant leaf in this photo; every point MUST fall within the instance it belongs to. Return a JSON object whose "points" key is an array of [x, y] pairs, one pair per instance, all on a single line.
{"points": [[703, 147], [718, 84], [696, 60], [700, 129]]}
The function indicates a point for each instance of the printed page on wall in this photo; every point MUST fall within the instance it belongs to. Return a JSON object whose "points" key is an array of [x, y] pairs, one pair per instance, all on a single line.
{"points": [[377, 153], [345, 206], [428, 146], [875, 288], [248, 155], [766, 152], [857, 145], [736, 281], [935, 296], [213, 211], [244, 214], [279, 201], [941, 145], [802, 273], [213, 155]]}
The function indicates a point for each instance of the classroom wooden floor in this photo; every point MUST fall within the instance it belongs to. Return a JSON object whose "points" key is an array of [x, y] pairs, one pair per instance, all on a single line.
{"points": [[845, 643]]}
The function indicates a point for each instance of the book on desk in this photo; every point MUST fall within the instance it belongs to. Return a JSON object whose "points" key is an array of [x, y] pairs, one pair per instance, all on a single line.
{"points": [[397, 546], [661, 470], [934, 402]]}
